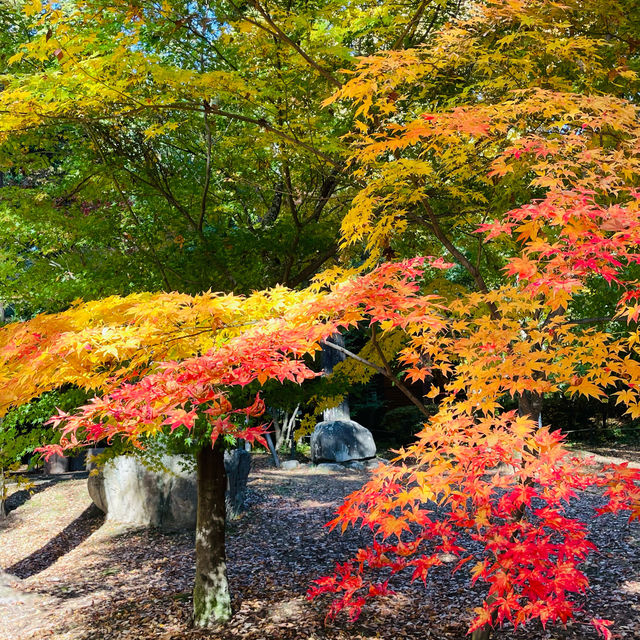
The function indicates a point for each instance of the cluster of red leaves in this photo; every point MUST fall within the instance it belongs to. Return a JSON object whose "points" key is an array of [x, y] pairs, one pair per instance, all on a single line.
{"points": [[493, 492], [569, 236]]}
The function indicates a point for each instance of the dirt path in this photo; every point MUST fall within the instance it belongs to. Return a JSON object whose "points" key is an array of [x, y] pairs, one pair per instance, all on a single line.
{"points": [[21, 612], [80, 579]]}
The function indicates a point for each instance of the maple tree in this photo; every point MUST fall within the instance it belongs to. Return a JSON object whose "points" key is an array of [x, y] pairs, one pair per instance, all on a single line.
{"points": [[555, 167], [478, 474], [517, 112], [165, 365]]}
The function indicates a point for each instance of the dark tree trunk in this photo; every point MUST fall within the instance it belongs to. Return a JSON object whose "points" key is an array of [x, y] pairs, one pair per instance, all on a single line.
{"points": [[330, 358], [237, 465], [272, 449], [482, 634], [211, 599], [530, 405]]}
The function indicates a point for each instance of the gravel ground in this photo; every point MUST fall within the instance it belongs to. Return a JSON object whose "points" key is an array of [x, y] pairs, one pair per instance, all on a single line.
{"points": [[68, 575]]}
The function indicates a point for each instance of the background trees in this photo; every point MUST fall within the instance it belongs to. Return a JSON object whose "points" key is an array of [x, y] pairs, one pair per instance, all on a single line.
{"points": [[178, 139]]}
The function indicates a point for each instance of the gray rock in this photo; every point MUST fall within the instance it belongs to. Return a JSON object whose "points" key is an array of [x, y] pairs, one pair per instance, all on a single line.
{"points": [[287, 465], [341, 441], [355, 465], [374, 464], [129, 492], [78, 462], [237, 464], [56, 465], [92, 452]]}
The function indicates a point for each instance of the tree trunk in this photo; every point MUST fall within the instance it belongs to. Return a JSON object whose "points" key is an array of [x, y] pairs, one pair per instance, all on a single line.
{"points": [[330, 358], [482, 634], [3, 495], [530, 406], [272, 448], [285, 428], [292, 453], [211, 599]]}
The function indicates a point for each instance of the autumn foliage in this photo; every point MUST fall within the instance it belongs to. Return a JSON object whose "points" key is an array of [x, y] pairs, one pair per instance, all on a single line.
{"points": [[489, 487], [492, 492], [228, 341], [485, 485], [536, 160]]}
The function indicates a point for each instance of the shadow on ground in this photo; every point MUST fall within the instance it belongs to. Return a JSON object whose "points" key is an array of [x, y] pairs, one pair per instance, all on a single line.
{"points": [[41, 483], [19, 498], [73, 535]]}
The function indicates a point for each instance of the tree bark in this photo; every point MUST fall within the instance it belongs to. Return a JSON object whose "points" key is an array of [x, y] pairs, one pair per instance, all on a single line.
{"points": [[3, 496], [530, 405], [211, 598], [272, 448], [330, 358], [484, 633]]}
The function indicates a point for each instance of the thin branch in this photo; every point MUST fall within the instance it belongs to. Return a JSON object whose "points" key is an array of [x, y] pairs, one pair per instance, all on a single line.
{"points": [[261, 122], [78, 187], [383, 371], [392, 376], [411, 25], [284, 37], [594, 320], [312, 267], [127, 204], [207, 174], [455, 252]]}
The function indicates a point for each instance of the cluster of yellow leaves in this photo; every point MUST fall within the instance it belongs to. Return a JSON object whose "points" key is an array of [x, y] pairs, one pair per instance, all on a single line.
{"points": [[97, 344], [458, 154]]}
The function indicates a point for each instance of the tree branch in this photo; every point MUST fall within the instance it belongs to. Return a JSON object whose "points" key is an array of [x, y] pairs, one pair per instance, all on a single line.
{"points": [[207, 174], [312, 267], [285, 38], [455, 252], [385, 371]]}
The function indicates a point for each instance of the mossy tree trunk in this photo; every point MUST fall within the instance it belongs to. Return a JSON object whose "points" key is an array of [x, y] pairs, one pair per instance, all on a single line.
{"points": [[211, 598]]}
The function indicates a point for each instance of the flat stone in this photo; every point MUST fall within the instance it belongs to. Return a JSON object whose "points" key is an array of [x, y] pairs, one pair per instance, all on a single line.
{"points": [[287, 465], [355, 465], [330, 466]]}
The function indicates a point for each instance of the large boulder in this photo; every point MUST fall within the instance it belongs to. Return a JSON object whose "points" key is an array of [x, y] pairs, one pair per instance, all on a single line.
{"points": [[128, 491], [237, 464], [341, 441]]}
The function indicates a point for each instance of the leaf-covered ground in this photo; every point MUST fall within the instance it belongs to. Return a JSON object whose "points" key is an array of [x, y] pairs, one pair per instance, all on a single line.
{"points": [[68, 575]]}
